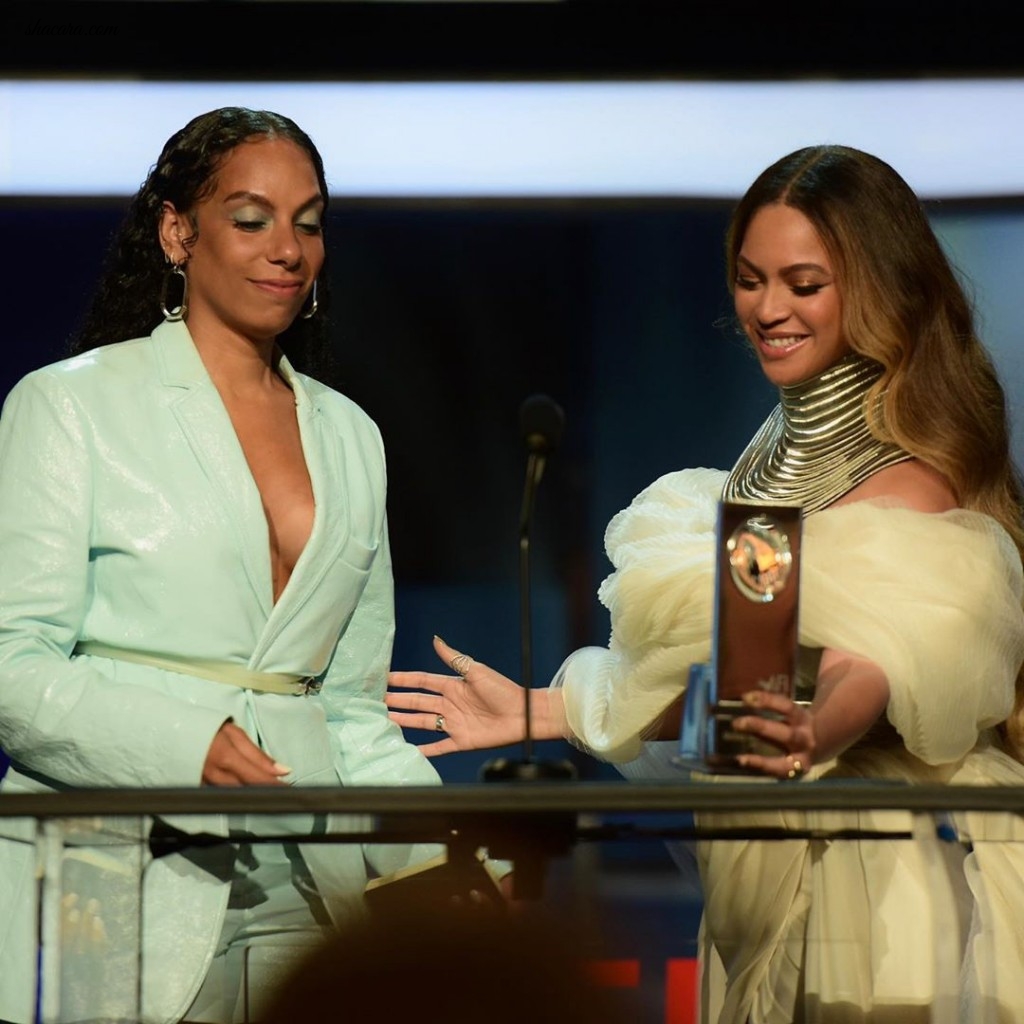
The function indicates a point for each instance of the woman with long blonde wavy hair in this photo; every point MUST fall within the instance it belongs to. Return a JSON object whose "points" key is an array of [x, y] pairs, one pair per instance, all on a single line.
{"points": [[939, 396]]}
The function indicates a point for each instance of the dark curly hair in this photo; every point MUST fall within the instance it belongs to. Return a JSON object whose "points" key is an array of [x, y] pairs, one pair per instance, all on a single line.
{"points": [[127, 300]]}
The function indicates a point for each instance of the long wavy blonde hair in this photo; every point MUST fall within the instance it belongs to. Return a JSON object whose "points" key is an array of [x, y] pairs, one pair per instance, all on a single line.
{"points": [[903, 306]]}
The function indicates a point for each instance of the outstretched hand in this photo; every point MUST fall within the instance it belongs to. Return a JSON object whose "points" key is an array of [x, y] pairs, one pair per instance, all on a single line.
{"points": [[476, 709]]}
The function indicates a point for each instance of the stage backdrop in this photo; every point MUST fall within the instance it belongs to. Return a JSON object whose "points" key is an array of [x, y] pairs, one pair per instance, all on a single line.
{"points": [[447, 315]]}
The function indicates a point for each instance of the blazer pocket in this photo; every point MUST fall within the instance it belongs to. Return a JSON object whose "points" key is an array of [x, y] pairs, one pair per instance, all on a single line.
{"points": [[357, 555]]}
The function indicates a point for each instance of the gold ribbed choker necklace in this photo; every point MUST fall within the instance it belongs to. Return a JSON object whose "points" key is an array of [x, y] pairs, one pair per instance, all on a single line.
{"points": [[815, 446]]}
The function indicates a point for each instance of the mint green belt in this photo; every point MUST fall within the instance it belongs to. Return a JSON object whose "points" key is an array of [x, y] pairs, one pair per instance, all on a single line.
{"points": [[207, 668]]}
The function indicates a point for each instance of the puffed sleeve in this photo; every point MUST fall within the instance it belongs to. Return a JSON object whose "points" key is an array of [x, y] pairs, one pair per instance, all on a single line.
{"points": [[58, 717], [934, 601], [660, 597]]}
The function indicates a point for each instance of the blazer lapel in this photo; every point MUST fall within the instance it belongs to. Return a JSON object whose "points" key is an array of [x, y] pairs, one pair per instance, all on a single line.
{"points": [[205, 423], [324, 451]]}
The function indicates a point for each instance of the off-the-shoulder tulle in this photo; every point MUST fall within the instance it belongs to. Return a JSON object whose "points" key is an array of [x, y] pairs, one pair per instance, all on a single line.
{"points": [[934, 600]]}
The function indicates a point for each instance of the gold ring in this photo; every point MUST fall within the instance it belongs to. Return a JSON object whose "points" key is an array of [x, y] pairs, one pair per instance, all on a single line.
{"points": [[439, 725], [460, 664]]}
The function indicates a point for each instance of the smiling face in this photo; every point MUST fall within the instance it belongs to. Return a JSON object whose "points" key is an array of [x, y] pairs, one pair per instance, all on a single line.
{"points": [[258, 245], [786, 296]]}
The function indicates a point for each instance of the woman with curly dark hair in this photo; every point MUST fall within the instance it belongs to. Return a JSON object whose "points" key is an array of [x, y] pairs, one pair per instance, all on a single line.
{"points": [[891, 434], [196, 584], [136, 270]]}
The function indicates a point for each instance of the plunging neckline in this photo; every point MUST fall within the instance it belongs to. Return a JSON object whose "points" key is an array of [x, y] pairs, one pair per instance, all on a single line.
{"points": [[287, 377]]}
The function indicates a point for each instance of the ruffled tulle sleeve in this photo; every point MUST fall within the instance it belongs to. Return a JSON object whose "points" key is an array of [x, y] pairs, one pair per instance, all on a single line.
{"points": [[934, 601], [660, 599]]}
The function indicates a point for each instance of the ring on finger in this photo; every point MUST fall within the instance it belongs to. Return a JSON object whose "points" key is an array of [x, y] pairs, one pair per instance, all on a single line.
{"points": [[439, 724], [460, 664]]}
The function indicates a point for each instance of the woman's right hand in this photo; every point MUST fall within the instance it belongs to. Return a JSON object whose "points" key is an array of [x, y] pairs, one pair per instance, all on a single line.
{"points": [[234, 760], [477, 708]]}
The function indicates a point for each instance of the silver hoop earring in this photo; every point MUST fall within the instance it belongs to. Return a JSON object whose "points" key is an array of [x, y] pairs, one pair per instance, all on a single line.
{"points": [[311, 312], [173, 315]]}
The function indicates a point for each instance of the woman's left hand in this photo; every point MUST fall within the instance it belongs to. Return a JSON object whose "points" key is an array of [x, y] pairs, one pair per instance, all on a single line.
{"points": [[792, 732]]}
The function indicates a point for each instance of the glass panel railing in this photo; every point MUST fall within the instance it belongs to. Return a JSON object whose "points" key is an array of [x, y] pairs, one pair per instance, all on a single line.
{"points": [[844, 880], [90, 917]]}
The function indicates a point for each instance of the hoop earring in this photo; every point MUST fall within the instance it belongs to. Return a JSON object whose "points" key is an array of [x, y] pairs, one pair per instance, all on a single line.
{"points": [[179, 311], [311, 312]]}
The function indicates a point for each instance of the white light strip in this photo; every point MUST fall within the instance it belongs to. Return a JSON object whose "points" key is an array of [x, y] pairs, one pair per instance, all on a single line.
{"points": [[948, 138]]}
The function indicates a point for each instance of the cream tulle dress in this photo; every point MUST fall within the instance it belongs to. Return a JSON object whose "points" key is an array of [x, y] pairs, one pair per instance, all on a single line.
{"points": [[839, 930]]}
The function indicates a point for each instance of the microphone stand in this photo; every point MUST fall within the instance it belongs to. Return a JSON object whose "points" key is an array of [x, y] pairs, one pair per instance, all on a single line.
{"points": [[528, 841], [534, 471], [541, 419]]}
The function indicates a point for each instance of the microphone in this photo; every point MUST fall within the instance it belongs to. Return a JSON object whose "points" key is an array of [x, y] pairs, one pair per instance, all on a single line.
{"points": [[541, 422]]}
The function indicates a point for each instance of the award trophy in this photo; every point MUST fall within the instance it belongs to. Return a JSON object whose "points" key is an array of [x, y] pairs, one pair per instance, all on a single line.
{"points": [[754, 644]]}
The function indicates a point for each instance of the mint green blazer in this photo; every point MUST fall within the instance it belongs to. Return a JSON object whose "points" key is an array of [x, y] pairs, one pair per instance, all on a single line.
{"points": [[128, 516]]}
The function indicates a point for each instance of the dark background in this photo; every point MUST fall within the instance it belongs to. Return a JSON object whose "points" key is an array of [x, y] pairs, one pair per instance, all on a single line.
{"points": [[270, 39]]}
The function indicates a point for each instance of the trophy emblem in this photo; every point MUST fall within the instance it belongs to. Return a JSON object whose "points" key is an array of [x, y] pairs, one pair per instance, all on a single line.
{"points": [[754, 646]]}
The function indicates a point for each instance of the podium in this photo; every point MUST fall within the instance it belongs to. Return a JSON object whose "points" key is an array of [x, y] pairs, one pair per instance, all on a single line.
{"points": [[92, 848]]}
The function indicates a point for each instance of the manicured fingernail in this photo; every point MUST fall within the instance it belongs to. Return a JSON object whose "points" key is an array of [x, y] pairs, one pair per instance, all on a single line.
{"points": [[753, 698], [436, 637], [282, 769]]}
